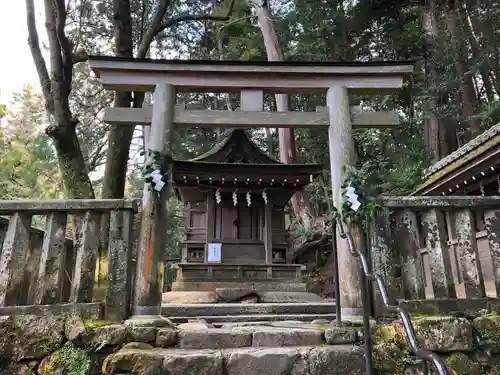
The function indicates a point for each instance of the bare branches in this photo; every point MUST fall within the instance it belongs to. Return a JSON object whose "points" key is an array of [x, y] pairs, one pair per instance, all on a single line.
{"points": [[36, 53], [196, 17]]}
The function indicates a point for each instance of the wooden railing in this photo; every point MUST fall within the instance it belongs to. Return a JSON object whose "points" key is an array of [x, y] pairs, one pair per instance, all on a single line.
{"points": [[47, 271], [438, 247]]}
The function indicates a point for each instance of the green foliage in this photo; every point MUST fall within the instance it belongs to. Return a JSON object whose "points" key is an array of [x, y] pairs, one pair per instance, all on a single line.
{"points": [[158, 161], [28, 165], [69, 360], [369, 209]]}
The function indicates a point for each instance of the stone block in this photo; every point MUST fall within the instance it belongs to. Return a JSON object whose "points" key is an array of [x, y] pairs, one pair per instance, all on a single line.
{"points": [[444, 334], [189, 297], [74, 328], [213, 338], [325, 360], [194, 325], [30, 337], [469, 308], [144, 362], [166, 338], [148, 321], [109, 335], [440, 334], [233, 294], [277, 337], [142, 334], [289, 297], [341, 335], [488, 328]]}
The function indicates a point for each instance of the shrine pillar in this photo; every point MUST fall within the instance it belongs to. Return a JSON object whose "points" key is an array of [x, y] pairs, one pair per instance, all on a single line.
{"points": [[148, 286], [342, 153]]}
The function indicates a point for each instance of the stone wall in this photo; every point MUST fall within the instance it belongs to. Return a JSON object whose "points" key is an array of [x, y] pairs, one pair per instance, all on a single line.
{"points": [[468, 345], [60, 345]]}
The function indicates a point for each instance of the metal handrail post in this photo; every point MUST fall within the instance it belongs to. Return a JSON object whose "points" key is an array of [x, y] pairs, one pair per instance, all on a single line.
{"points": [[368, 276]]}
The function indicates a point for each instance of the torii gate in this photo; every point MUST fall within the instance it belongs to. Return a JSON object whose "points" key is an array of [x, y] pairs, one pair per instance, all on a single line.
{"points": [[251, 79]]}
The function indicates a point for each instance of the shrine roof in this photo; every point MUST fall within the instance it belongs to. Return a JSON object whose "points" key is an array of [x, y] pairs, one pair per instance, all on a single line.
{"points": [[263, 63], [237, 157], [237, 147], [464, 166]]}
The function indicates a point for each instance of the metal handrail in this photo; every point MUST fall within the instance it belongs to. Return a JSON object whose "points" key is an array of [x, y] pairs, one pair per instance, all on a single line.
{"points": [[424, 354]]}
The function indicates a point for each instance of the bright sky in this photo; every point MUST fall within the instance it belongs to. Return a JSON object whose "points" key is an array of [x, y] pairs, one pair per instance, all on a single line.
{"points": [[16, 64]]}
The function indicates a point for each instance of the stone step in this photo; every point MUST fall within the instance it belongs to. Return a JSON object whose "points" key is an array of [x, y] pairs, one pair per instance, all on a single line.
{"points": [[219, 309], [239, 337], [303, 360], [253, 318]]}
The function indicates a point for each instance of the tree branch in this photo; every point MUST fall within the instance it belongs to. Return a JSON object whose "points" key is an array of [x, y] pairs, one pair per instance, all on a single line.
{"points": [[60, 9], [153, 29], [80, 55], [36, 53], [196, 17]]}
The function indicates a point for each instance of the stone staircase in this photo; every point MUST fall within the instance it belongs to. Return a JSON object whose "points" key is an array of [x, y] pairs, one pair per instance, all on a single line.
{"points": [[219, 313], [264, 348]]}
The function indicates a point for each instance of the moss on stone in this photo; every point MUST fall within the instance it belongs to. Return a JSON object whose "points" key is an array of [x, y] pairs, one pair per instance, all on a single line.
{"points": [[488, 327], [384, 334], [90, 323], [106, 363], [459, 363], [68, 360]]}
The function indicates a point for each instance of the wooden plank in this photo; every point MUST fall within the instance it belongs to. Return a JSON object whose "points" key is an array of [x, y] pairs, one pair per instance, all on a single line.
{"points": [[468, 254], [15, 251], [40, 207], [137, 75], [443, 284], [49, 286], [118, 292], [249, 119], [233, 82], [101, 63], [492, 224]]}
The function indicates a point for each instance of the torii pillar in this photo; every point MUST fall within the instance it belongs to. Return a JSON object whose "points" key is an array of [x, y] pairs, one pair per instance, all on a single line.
{"points": [[337, 79], [342, 153]]}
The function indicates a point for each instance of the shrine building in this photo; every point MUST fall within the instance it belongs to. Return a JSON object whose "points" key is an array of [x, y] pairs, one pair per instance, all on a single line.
{"points": [[235, 234]]}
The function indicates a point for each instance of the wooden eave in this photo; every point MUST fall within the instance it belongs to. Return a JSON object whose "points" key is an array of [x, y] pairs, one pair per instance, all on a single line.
{"points": [[118, 73], [194, 171], [465, 172]]}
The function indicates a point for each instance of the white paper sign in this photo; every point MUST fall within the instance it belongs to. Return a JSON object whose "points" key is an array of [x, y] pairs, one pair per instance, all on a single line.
{"points": [[214, 252]]}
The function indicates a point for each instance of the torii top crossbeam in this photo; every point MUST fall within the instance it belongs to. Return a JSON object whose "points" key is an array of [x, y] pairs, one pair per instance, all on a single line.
{"points": [[119, 73]]}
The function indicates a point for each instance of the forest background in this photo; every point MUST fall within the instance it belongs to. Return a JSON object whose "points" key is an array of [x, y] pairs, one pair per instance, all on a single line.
{"points": [[53, 143]]}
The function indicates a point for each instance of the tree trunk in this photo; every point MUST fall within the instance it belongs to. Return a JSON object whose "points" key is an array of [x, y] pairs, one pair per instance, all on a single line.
{"points": [[120, 137], [300, 202], [484, 67], [432, 126], [56, 87], [468, 98], [71, 162]]}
